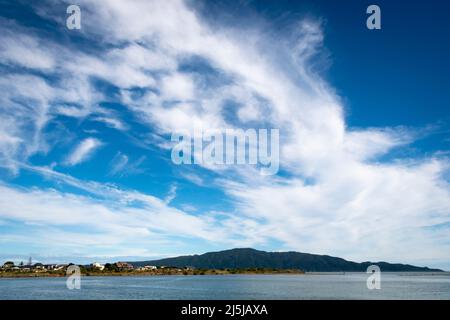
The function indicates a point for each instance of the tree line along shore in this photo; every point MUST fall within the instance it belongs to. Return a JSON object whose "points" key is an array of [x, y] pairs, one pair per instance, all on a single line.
{"points": [[125, 269]]}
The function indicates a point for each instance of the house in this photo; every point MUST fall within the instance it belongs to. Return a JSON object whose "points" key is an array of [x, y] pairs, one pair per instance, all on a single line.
{"points": [[124, 266], [8, 265], [51, 266], [38, 267], [98, 266], [150, 267], [146, 268], [55, 267], [60, 267]]}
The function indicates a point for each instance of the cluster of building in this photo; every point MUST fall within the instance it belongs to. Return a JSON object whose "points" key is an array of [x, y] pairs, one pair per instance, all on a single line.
{"points": [[147, 268], [39, 267], [121, 266], [36, 267]]}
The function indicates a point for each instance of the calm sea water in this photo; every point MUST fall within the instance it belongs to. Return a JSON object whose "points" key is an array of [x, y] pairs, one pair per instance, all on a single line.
{"points": [[310, 286]]}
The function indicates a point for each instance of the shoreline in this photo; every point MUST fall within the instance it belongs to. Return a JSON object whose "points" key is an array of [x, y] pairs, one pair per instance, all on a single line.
{"points": [[11, 275], [153, 274]]}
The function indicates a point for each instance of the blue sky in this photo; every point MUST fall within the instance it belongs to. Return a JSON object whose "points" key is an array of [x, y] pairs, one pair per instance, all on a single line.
{"points": [[85, 151]]}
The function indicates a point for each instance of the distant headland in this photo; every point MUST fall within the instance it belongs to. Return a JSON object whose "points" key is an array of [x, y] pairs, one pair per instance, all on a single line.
{"points": [[242, 258]]}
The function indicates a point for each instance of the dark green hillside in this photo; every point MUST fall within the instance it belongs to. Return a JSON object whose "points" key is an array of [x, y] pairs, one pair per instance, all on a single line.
{"points": [[251, 258]]}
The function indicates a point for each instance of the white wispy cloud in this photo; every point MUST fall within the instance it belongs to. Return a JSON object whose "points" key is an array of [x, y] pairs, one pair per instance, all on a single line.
{"points": [[20, 49], [108, 218], [83, 151], [122, 166], [171, 194], [118, 163], [111, 122]]}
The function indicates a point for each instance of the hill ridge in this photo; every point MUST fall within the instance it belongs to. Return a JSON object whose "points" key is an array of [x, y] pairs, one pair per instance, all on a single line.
{"points": [[241, 258]]}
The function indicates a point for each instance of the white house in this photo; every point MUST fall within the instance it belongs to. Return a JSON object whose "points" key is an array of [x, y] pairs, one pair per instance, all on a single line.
{"points": [[150, 267], [98, 266]]}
